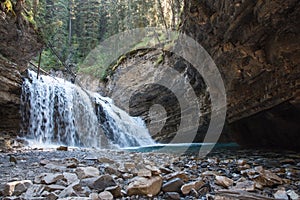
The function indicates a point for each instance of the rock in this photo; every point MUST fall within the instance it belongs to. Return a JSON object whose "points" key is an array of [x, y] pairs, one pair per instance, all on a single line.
{"points": [[127, 176], [105, 160], [71, 190], [182, 175], [34, 191], [173, 185], [94, 196], [144, 173], [53, 187], [172, 195], [115, 191], [111, 170], [241, 162], [281, 194], [70, 177], [129, 166], [71, 163], [223, 181], [16, 187], [44, 162], [288, 161], [12, 159], [194, 193], [245, 185], [166, 170], [145, 186], [49, 195], [55, 167], [103, 182], [62, 148], [87, 172], [209, 173], [106, 196], [48, 178], [266, 177], [293, 195], [186, 188], [154, 170]]}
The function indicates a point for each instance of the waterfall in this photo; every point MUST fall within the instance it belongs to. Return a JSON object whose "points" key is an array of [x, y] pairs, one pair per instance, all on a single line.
{"points": [[55, 111]]}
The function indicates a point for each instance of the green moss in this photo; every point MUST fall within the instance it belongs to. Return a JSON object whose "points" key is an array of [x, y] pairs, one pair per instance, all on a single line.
{"points": [[159, 60]]}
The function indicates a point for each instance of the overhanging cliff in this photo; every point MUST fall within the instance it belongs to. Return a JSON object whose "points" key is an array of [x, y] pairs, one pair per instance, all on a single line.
{"points": [[256, 46]]}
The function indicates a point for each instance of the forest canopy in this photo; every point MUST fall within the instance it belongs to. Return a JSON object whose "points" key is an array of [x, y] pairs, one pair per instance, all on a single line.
{"points": [[73, 28]]}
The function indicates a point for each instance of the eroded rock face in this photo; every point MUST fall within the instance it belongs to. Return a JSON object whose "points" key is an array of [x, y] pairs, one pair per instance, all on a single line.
{"points": [[256, 46], [136, 87], [10, 92], [19, 43]]}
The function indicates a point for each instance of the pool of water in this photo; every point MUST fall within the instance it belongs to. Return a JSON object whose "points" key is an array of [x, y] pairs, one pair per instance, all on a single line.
{"points": [[185, 148]]}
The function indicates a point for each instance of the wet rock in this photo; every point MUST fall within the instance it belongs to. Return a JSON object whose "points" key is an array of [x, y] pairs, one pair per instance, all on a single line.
{"points": [[223, 181], [144, 173], [106, 195], [48, 178], [87, 172], [182, 175], [293, 195], [62, 148], [16, 187], [172, 195], [115, 191], [186, 188], [281, 194], [173, 185], [145, 186]]}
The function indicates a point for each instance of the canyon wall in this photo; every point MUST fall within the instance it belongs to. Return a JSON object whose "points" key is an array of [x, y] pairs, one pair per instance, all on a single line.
{"points": [[255, 45], [19, 43]]}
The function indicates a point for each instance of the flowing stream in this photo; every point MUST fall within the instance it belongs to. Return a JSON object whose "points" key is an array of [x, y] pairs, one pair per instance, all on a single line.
{"points": [[55, 111]]}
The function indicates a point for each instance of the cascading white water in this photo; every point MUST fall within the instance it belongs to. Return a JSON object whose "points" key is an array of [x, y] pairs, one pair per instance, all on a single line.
{"points": [[55, 111]]}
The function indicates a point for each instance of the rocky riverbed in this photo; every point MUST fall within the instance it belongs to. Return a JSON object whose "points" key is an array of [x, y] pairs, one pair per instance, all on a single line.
{"points": [[73, 173]]}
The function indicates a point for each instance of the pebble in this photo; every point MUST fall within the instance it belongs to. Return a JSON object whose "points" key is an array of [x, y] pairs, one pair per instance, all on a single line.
{"points": [[91, 174]]}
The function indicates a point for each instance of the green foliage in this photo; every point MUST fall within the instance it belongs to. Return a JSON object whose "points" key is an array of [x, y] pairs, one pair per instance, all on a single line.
{"points": [[74, 27]]}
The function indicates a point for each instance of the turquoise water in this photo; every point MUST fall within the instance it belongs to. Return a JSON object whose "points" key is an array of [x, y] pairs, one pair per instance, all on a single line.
{"points": [[187, 148]]}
